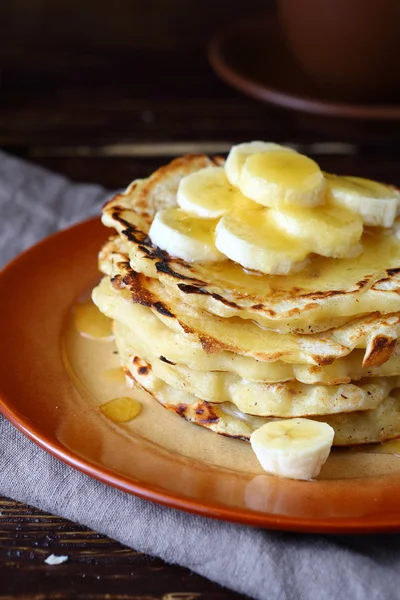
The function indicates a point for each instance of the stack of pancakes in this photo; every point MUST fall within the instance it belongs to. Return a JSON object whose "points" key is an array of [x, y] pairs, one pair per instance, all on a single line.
{"points": [[230, 350]]}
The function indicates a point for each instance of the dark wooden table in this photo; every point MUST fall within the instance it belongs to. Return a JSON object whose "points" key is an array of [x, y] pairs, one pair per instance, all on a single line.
{"points": [[109, 115]]}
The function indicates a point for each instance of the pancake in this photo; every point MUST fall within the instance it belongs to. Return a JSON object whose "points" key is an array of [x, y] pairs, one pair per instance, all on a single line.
{"points": [[310, 300], [291, 399], [142, 327], [376, 333], [364, 427]]}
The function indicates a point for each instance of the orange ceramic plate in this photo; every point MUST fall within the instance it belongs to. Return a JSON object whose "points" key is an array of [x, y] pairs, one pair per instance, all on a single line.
{"points": [[37, 291]]}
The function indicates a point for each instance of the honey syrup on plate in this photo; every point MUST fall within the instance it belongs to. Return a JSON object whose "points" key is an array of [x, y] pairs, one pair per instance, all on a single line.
{"points": [[92, 362], [90, 322], [122, 409]]}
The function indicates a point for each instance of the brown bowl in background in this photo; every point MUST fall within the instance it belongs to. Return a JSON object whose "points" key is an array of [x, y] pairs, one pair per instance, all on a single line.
{"points": [[350, 48]]}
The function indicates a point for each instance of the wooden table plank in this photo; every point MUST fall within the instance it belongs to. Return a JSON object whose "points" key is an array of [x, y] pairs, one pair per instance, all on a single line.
{"points": [[97, 567]]}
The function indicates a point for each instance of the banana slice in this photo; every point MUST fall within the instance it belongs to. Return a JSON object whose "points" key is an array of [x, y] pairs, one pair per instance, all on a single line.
{"points": [[279, 179], [294, 448], [376, 203], [329, 231], [207, 193], [240, 153], [185, 236], [252, 240]]}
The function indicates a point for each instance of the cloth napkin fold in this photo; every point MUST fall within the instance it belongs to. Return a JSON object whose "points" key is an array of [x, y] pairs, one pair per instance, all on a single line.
{"points": [[256, 562]]}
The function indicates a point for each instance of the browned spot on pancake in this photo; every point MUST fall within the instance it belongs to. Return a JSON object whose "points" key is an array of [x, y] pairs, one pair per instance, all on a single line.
{"points": [[169, 362], [191, 289], [135, 235], [311, 306], [235, 437], [179, 408], [380, 281], [328, 293], [361, 284], [380, 351], [224, 301], [159, 306], [142, 367], [201, 413], [212, 346], [163, 267], [207, 413], [392, 272], [144, 249], [131, 281], [323, 361], [394, 289], [139, 294]]}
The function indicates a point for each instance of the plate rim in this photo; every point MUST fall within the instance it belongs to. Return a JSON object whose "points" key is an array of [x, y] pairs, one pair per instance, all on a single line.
{"points": [[246, 516]]}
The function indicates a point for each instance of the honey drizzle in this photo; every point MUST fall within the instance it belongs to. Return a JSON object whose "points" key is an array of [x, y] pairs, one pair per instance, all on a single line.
{"points": [[115, 375], [91, 323], [122, 409]]}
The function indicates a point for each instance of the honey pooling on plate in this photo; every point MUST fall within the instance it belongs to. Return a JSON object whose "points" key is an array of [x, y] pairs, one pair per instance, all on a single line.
{"points": [[122, 409], [115, 375], [91, 323]]}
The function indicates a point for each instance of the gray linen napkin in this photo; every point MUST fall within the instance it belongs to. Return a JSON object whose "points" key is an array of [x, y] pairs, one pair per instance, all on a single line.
{"points": [[262, 564]]}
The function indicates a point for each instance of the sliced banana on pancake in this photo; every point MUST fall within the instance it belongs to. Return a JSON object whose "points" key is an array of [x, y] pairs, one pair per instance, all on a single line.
{"points": [[241, 152], [208, 194], [279, 179], [294, 448], [322, 295], [185, 236], [252, 240], [328, 231], [375, 202]]}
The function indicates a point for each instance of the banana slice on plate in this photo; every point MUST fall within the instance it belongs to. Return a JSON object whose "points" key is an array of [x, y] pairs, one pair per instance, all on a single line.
{"points": [[185, 236], [240, 153], [329, 231], [280, 178], [377, 203], [252, 239], [207, 193], [293, 448]]}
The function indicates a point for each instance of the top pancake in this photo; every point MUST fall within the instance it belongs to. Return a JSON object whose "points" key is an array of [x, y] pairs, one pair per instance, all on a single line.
{"points": [[325, 294]]}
